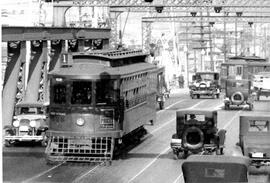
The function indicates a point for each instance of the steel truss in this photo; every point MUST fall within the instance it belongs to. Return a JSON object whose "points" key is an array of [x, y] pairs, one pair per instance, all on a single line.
{"points": [[215, 19], [167, 3]]}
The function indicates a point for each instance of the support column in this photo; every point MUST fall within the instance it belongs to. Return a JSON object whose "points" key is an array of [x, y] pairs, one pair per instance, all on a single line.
{"points": [[80, 45], [57, 47], [146, 35], [113, 24], [59, 19], [13, 87], [38, 61]]}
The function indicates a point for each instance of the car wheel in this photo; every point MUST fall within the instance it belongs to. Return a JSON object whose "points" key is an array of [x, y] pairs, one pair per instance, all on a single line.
{"points": [[161, 105], [192, 96], [219, 151], [176, 155], [8, 143], [198, 96], [227, 106], [218, 95], [250, 107]]}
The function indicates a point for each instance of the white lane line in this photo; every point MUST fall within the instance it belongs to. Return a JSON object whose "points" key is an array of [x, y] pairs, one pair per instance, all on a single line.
{"points": [[229, 123], [192, 107], [226, 126], [77, 180], [164, 124], [171, 105], [42, 173], [149, 164], [164, 151]]}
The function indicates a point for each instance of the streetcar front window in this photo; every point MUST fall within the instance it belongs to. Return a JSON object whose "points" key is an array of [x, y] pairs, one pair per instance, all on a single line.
{"points": [[59, 94], [81, 92], [106, 92]]}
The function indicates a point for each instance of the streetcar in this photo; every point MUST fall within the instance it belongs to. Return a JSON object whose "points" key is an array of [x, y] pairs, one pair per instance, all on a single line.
{"points": [[242, 67], [99, 101]]}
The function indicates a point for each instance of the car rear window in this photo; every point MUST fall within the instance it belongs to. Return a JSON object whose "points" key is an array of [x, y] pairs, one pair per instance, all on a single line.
{"points": [[259, 126]]}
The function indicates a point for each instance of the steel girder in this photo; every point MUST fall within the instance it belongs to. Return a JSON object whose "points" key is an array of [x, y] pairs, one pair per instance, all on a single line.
{"points": [[146, 35], [216, 19], [37, 72], [52, 33], [167, 3], [14, 85]]}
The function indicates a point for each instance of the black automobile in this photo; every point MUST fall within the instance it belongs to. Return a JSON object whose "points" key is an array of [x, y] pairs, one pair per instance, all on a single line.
{"points": [[196, 132], [205, 84], [238, 93]]}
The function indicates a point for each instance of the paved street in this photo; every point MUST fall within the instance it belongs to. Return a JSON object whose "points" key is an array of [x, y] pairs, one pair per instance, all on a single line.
{"points": [[150, 161]]}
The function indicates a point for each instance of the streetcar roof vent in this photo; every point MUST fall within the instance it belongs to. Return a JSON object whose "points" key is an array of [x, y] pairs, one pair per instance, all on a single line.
{"points": [[112, 58]]}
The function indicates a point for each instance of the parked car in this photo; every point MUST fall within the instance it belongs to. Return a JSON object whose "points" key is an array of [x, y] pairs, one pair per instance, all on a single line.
{"points": [[206, 84], [261, 84], [212, 169], [254, 139], [196, 132], [29, 124], [238, 93]]}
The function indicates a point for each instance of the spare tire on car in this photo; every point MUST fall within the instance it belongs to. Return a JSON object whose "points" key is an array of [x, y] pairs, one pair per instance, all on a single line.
{"points": [[193, 138], [237, 98]]}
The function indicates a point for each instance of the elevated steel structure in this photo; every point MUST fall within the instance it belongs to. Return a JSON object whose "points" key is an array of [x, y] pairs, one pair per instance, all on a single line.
{"points": [[32, 87], [167, 3]]}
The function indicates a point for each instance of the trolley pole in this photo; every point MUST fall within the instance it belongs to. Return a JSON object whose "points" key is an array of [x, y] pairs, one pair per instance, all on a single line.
{"points": [[224, 38], [235, 36]]}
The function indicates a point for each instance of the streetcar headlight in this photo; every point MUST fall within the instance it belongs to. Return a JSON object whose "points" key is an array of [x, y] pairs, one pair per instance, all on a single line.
{"points": [[16, 123], [80, 121], [33, 123]]}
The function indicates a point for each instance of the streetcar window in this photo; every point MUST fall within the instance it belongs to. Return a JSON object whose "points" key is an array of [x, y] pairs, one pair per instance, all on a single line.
{"points": [[81, 92], [59, 94], [106, 92]]}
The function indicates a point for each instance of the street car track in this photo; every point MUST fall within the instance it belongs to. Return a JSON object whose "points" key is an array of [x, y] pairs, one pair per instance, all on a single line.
{"points": [[95, 167]]}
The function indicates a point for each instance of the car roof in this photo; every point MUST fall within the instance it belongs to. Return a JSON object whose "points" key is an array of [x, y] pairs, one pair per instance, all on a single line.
{"points": [[207, 72], [29, 104], [218, 159], [196, 110]]}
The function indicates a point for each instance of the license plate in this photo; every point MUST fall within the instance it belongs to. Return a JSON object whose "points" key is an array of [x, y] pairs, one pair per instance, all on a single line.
{"points": [[257, 155], [23, 128]]}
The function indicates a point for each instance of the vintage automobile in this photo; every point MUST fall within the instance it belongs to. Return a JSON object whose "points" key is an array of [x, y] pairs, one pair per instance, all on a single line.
{"points": [[212, 169], [254, 139], [238, 93], [196, 132], [29, 124], [206, 84], [261, 84]]}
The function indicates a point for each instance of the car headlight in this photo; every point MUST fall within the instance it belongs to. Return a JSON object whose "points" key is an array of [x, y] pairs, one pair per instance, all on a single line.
{"points": [[80, 121], [33, 123], [16, 123]]}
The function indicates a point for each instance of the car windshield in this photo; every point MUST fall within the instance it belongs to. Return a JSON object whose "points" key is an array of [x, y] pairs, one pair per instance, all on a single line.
{"points": [[31, 110], [206, 77], [81, 92], [259, 126], [197, 117]]}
